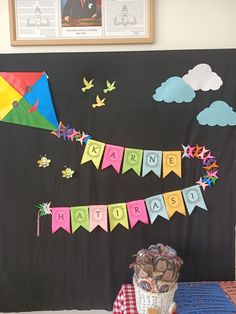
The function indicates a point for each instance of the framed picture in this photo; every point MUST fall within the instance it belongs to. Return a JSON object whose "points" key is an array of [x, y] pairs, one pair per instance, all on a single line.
{"points": [[75, 22]]}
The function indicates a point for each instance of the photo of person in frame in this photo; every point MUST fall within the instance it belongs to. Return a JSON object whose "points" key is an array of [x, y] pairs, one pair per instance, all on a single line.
{"points": [[80, 9]]}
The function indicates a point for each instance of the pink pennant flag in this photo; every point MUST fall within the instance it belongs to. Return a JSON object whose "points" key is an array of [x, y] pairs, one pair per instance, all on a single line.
{"points": [[60, 218], [113, 156], [98, 216], [137, 212]]}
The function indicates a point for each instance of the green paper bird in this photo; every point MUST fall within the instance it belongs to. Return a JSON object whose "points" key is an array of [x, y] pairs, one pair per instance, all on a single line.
{"points": [[110, 87], [87, 84]]}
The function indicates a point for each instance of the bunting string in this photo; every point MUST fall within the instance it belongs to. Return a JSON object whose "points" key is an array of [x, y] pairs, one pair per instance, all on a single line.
{"points": [[122, 159], [126, 214]]}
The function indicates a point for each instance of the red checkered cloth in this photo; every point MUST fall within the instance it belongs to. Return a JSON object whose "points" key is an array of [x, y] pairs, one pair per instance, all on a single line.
{"points": [[125, 301]]}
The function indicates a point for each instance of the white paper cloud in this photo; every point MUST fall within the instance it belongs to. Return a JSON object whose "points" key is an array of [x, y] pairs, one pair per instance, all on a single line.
{"points": [[202, 77]]}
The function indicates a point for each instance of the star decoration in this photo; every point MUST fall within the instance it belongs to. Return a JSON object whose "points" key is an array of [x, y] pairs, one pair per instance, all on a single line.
{"points": [[214, 165], [88, 137], [208, 162], [81, 139], [185, 153], [203, 152], [214, 179], [207, 180], [198, 149], [72, 135], [211, 174], [60, 130], [190, 151], [209, 156], [202, 183]]}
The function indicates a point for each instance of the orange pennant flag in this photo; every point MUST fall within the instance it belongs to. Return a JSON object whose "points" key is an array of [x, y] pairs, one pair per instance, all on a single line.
{"points": [[172, 162], [174, 203]]}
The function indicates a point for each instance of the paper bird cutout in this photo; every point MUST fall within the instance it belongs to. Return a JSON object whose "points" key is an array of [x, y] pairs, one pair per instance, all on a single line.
{"points": [[100, 102], [35, 107], [88, 84], [110, 87], [25, 99]]}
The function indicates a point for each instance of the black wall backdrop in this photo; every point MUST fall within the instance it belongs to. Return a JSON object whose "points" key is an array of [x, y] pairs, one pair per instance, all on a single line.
{"points": [[86, 270]]}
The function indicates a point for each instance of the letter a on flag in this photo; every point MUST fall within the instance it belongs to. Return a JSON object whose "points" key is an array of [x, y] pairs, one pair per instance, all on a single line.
{"points": [[113, 156]]}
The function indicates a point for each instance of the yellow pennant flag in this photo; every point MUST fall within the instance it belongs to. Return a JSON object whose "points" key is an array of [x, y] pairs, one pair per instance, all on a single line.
{"points": [[93, 151], [118, 215], [172, 162], [174, 203]]}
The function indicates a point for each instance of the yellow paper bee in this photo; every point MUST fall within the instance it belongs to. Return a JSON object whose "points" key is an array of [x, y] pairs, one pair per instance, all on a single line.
{"points": [[44, 162], [67, 173]]}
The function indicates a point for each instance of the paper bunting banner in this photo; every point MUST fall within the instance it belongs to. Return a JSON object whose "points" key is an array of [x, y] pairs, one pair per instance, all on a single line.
{"points": [[172, 162], [118, 215], [132, 160], [137, 212], [25, 99], [152, 161], [164, 205], [113, 156], [174, 203], [193, 197], [93, 151], [60, 218], [79, 217], [156, 207], [98, 217]]}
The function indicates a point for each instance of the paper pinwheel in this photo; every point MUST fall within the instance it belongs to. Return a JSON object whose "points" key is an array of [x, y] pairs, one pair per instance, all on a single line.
{"points": [[25, 99]]}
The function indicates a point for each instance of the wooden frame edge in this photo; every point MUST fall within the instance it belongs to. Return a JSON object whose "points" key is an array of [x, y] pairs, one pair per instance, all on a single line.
{"points": [[88, 41]]}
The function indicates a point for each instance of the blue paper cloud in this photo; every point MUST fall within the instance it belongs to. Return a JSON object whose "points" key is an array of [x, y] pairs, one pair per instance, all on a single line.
{"points": [[174, 89], [219, 113]]}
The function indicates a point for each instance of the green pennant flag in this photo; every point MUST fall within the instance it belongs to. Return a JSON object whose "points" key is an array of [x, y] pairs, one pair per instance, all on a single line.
{"points": [[93, 151], [132, 160], [79, 217], [118, 215]]}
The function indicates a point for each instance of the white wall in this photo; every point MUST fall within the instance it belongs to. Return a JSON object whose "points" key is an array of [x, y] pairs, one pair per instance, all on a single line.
{"points": [[179, 24]]}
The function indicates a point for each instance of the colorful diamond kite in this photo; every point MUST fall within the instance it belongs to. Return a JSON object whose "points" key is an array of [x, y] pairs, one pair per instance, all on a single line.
{"points": [[25, 99]]}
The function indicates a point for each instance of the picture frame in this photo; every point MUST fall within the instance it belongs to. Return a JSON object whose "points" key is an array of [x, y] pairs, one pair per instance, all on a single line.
{"points": [[69, 22]]}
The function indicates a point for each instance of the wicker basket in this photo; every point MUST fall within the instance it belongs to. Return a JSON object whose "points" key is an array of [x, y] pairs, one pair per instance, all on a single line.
{"points": [[161, 301]]}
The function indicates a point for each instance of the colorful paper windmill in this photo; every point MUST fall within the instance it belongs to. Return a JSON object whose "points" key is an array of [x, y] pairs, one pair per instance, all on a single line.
{"points": [[25, 99]]}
